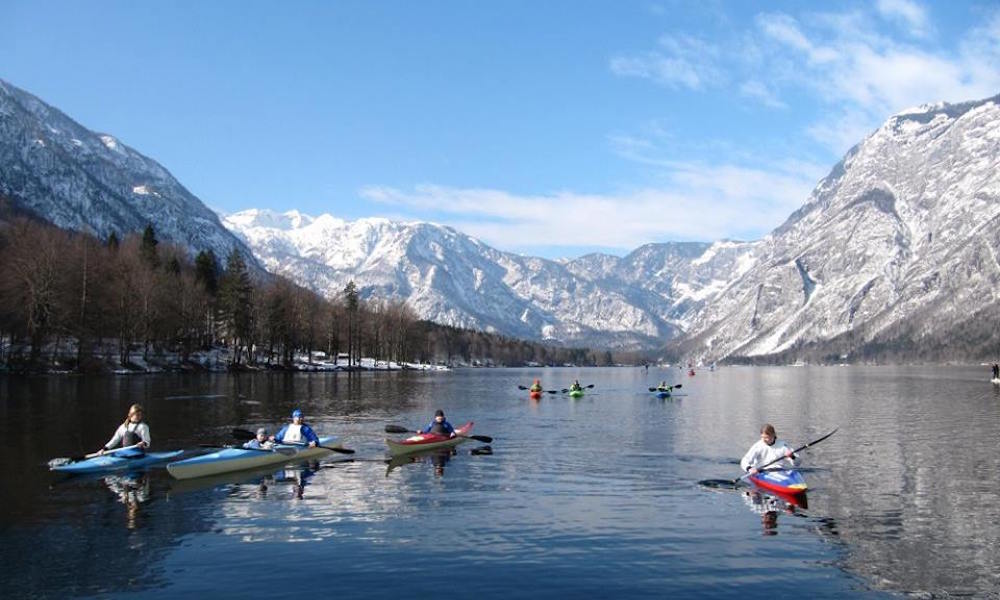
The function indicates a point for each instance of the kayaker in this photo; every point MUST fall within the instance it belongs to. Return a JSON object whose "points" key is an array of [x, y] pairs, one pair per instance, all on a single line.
{"points": [[260, 442], [297, 432], [765, 450], [576, 387], [134, 431], [536, 387], [439, 426], [996, 371], [663, 387]]}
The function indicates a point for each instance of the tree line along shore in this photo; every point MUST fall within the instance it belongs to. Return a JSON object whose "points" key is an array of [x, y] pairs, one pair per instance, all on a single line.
{"points": [[70, 301]]}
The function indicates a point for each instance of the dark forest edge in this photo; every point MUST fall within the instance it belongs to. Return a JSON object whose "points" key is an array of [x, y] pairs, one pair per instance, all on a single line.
{"points": [[72, 302]]}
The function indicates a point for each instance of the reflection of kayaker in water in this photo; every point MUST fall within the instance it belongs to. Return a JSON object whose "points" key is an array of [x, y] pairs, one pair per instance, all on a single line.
{"points": [[767, 449], [297, 432], [130, 433], [439, 426]]}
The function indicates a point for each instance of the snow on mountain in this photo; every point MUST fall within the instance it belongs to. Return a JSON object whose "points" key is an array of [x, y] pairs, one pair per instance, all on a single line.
{"points": [[451, 278], [86, 181], [900, 240], [902, 235]]}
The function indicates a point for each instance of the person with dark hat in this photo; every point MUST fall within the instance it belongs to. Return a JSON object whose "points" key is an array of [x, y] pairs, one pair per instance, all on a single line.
{"points": [[439, 425]]}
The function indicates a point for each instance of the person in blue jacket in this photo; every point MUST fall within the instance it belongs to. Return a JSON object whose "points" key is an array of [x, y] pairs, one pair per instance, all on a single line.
{"points": [[439, 425], [297, 432]]}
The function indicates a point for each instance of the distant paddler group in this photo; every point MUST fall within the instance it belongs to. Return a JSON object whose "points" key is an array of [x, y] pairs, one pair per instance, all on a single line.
{"points": [[575, 390]]}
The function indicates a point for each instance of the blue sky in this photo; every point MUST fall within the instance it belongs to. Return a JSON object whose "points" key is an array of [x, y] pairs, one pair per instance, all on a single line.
{"points": [[549, 128]]}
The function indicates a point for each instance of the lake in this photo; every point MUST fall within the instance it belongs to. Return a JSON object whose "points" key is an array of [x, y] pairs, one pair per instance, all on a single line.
{"points": [[590, 497]]}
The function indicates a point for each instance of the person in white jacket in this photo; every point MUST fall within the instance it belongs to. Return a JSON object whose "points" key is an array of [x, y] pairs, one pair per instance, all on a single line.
{"points": [[130, 433], [768, 448]]}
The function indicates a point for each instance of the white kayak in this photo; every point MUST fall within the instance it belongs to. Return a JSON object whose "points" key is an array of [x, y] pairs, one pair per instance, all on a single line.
{"points": [[238, 459]]}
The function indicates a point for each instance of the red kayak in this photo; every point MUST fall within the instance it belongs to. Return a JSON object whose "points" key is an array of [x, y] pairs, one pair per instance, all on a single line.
{"points": [[535, 395], [428, 441]]}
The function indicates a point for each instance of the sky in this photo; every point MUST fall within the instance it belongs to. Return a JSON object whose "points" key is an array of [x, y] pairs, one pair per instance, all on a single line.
{"points": [[549, 128]]}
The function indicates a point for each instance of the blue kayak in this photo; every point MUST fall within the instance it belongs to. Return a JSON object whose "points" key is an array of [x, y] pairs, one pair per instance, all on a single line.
{"points": [[662, 394], [110, 462], [239, 459]]}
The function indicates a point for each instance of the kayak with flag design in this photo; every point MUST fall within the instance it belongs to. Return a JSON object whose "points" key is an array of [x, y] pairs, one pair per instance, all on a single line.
{"points": [[782, 481]]}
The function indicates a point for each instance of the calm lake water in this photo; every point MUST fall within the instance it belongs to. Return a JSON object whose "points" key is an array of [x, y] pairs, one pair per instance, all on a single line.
{"points": [[596, 497]]}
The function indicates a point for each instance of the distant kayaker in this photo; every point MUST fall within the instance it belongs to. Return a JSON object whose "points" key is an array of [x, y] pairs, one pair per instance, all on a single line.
{"points": [[130, 433], [439, 426], [996, 371], [260, 442], [576, 387], [297, 432], [536, 387], [765, 450], [663, 387]]}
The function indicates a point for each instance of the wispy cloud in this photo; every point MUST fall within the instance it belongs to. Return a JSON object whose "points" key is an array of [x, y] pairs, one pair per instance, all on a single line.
{"points": [[697, 202], [762, 93], [680, 61], [910, 14], [846, 63]]}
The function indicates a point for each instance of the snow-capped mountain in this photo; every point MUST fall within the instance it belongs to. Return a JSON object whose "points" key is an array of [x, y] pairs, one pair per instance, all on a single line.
{"points": [[451, 278], [898, 244], [77, 179]]}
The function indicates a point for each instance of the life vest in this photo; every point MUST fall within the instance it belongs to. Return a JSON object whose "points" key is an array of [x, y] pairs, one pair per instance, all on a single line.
{"points": [[293, 434]]}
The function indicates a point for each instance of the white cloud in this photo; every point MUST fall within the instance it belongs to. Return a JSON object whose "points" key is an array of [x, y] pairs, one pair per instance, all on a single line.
{"points": [[910, 14], [698, 201], [759, 91], [868, 76], [684, 61]]}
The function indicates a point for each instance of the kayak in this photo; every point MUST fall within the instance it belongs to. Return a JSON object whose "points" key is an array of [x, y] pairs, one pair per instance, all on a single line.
{"points": [[995, 380], [662, 394], [576, 393], [109, 462], [782, 481], [239, 459], [428, 441], [535, 395]]}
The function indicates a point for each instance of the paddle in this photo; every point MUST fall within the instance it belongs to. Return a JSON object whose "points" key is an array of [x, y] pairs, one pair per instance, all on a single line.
{"points": [[521, 387], [400, 429], [667, 389], [285, 451], [58, 462], [586, 387], [781, 458], [243, 434]]}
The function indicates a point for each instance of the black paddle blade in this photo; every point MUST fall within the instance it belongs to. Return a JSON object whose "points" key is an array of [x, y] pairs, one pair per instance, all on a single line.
{"points": [[653, 390], [397, 429], [679, 385], [481, 438], [588, 386], [483, 450], [718, 483], [521, 387], [340, 450], [551, 391]]}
